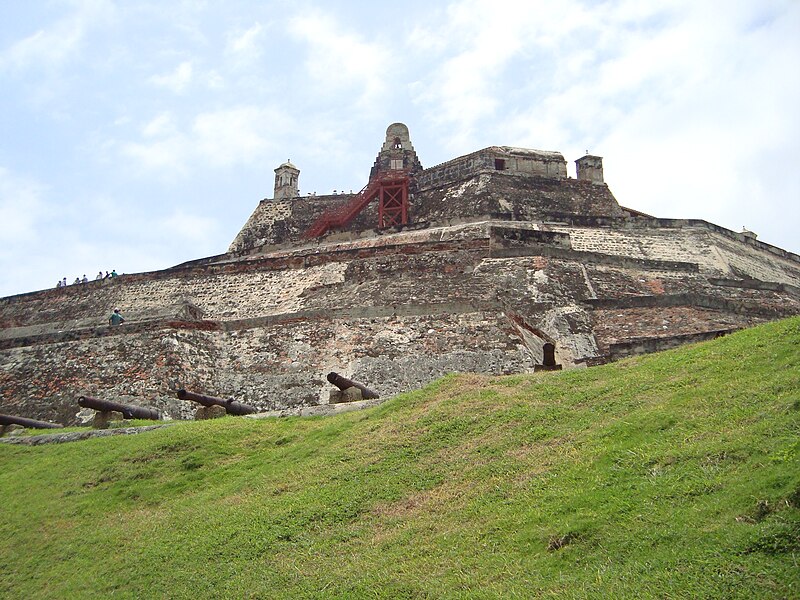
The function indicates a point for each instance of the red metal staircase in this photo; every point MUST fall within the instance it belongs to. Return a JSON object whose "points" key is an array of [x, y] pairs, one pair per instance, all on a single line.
{"points": [[390, 187]]}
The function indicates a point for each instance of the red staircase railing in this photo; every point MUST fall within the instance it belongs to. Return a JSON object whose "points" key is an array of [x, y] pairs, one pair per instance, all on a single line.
{"points": [[377, 188]]}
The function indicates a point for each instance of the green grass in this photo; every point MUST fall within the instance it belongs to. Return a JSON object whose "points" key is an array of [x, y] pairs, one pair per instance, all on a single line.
{"points": [[674, 475]]}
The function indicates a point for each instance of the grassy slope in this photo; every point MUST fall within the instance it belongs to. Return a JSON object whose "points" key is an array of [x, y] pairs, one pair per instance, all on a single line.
{"points": [[674, 476]]}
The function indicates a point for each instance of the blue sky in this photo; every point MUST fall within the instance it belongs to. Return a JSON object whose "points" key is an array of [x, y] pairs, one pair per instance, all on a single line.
{"points": [[137, 135]]}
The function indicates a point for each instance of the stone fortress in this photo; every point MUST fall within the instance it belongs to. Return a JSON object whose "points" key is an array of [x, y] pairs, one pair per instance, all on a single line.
{"points": [[495, 262]]}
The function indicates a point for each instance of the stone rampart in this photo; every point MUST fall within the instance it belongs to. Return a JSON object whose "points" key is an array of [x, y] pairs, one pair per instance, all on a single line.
{"points": [[275, 222], [504, 256], [506, 159]]}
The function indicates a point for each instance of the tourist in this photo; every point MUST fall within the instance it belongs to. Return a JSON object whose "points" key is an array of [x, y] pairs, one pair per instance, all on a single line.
{"points": [[116, 318], [99, 276], [85, 279], [77, 281], [113, 273]]}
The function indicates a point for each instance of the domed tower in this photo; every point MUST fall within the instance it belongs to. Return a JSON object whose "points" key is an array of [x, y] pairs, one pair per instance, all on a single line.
{"points": [[286, 181], [397, 152]]}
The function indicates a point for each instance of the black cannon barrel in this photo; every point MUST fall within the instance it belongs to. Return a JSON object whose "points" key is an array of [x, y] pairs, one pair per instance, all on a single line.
{"points": [[343, 383], [231, 406], [128, 411], [32, 423]]}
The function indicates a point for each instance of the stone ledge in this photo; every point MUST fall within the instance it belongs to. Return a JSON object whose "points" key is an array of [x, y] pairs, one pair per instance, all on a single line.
{"points": [[323, 410], [697, 300], [367, 312], [594, 258], [636, 346], [76, 436], [756, 284]]}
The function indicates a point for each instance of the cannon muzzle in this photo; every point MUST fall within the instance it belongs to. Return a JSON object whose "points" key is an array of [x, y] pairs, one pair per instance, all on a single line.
{"points": [[343, 383], [128, 411], [231, 407]]}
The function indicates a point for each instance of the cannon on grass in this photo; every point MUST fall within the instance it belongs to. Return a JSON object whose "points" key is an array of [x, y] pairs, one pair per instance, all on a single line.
{"points": [[212, 405], [344, 385], [6, 420], [106, 409]]}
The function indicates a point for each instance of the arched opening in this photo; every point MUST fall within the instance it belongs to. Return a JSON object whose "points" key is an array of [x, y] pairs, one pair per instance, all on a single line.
{"points": [[549, 351]]}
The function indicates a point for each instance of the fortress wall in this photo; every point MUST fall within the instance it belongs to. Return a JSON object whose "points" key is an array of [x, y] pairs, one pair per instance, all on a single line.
{"points": [[667, 324], [515, 198], [375, 277], [271, 366], [217, 296], [515, 161], [521, 195], [452, 171], [138, 368], [714, 253], [691, 246], [285, 222], [749, 261], [627, 287], [619, 282], [264, 224], [393, 311], [388, 354], [279, 222]]}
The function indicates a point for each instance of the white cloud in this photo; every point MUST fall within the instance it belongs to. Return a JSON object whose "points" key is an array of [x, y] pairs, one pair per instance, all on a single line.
{"points": [[55, 44], [187, 227], [21, 208], [214, 81], [177, 80], [233, 136], [241, 135], [168, 156], [476, 44], [161, 125], [246, 43], [342, 62]]}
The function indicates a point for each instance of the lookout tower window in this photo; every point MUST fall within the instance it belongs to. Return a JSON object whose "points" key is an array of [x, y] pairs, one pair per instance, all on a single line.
{"points": [[499, 164], [398, 144]]}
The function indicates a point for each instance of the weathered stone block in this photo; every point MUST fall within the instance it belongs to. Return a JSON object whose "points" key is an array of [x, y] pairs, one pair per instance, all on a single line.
{"points": [[104, 420], [11, 430], [351, 394], [209, 412]]}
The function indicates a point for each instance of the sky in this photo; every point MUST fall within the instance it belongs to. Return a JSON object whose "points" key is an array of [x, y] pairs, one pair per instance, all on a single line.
{"points": [[136, 135]]}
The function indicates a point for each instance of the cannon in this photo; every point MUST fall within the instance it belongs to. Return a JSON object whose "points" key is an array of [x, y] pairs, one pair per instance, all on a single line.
{"points": [[128, 411], [30, 423], [343, 383], [231, 406]]}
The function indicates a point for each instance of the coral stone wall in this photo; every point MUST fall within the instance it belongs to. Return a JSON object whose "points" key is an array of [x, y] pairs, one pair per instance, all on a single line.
{"points": [[393, 311], [463, 195], [505, 159], [504, 254]]}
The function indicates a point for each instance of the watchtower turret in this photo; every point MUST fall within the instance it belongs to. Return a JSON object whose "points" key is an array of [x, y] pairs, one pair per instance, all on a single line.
{"points": [[590, 168], [286, 181], [397, 152]]}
